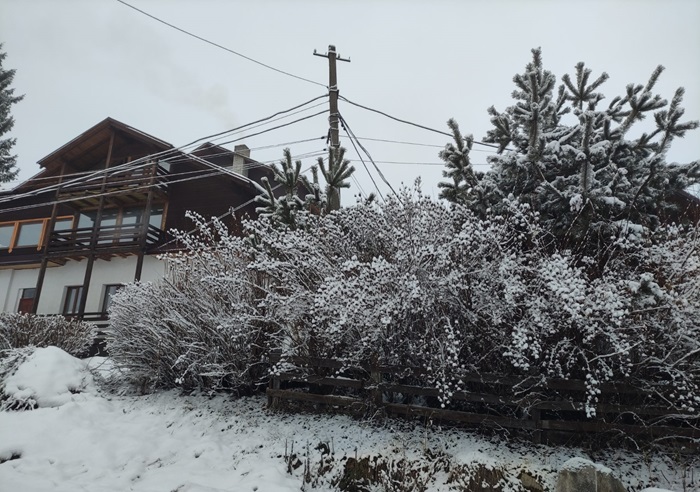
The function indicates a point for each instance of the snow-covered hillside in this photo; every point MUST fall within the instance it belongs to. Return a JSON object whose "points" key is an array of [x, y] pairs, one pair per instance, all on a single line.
{"points": [[81, 437]]}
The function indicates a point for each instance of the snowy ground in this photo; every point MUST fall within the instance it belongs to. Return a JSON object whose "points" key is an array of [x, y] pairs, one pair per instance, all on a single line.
{"points": [[82, 437]]}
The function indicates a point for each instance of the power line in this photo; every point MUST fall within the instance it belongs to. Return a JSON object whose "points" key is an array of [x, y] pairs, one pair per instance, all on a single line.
{"points": [[363, 162], [409, 122], [196, 174], [231, 131], [265, 147], [353, 137], [220, 46], [401, 142], [109, 193], [146, 160], [416, 163], [413, 143], [235, 132], [274, 127]]}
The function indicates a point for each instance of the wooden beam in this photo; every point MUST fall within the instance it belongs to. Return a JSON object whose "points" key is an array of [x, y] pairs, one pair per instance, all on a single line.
{"points": [[47, 242], [145, 220], [95, 229]]}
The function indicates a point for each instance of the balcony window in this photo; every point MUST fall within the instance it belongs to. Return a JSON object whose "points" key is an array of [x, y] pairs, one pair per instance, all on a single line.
{"points": [[87, 220], [29, 234], [156, 218], [132, 216], [109, 218], [63, 224], [6, 232]]}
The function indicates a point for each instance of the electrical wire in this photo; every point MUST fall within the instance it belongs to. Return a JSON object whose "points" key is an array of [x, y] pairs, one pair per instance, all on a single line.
{"points": [[146, 160], [200, 173], [275, 127], [109, 193], [352, 141], [220, 46], [415, 143], [235, 132], [381, 174], [416, 163], [231, 131], [248, 165], [409, 122]]}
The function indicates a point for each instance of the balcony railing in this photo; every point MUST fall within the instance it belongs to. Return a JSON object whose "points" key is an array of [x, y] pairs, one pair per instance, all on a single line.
{"points": [[125, 179], [117, 237]]}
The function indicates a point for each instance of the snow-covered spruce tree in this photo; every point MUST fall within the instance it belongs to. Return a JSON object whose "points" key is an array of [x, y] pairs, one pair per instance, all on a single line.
{"points": [[336, 174], [8, 162], [588, 179], [282, 208]]}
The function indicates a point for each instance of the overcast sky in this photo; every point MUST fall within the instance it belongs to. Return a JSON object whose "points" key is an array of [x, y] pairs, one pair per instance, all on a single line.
{"points": [[79, 61]]}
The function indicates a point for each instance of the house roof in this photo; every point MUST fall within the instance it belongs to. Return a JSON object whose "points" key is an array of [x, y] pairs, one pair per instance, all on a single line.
{"points": [[93, 144]]}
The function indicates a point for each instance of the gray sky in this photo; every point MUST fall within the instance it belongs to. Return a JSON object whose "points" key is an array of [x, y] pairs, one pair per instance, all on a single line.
{"points": [[79, 61]]}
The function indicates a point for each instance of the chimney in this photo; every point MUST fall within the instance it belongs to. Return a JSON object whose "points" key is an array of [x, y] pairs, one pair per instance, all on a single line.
{"points": [[240, 153]]}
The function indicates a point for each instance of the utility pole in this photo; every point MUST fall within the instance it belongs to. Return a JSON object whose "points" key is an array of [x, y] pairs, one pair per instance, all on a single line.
{"points": [[333, 94]]}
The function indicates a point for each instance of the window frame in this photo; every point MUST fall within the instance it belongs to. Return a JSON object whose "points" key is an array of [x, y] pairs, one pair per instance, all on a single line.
{"points": [[106, 296], [78, 289], [24, 297], [17, 225]]}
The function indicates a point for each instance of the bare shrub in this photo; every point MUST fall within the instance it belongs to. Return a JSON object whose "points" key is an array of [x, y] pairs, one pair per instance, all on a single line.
{"points": [[24, 330]]}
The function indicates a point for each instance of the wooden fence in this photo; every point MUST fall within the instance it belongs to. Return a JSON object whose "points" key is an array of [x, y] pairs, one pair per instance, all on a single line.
{"points": [[545, 409]]}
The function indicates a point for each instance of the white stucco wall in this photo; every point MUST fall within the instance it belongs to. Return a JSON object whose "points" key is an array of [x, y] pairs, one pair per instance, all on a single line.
{"points": [[118, 270]]}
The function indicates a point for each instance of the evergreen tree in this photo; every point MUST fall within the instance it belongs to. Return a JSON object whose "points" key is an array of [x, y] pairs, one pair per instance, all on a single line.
{"points": [[283, 208], [8, 162], [588, 180], [336, 174]]}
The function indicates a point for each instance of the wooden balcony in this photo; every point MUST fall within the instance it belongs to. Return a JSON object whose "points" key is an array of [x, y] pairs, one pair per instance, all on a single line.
{"points": [[122, 240], [124, 187]]}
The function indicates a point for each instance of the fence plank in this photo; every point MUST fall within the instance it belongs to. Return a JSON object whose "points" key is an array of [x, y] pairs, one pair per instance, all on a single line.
{"points": [[547, 406], [341, 401], [458, 416]]}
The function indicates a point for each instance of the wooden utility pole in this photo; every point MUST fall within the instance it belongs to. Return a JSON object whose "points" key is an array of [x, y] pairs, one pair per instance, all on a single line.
{"points": [[333, 94]]}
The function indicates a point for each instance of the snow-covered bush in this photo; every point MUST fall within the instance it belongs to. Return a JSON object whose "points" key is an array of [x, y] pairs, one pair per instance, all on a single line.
{"points": [[23, 330], [196, 329], [414, 283]]}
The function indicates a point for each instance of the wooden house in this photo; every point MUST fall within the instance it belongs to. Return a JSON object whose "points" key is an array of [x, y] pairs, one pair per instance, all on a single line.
{"points": [[97, 214]]}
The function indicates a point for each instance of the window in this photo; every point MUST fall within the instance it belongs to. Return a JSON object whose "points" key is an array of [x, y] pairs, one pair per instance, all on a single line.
{"points": [[110, 290], [63, 224], [28, 233], [6, 233], [72, 303], [156, 219], [26, 300], [131, 216]]}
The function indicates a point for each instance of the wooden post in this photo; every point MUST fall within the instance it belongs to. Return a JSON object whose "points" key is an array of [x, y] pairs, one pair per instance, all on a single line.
{"points": [[334, 115], [145, 219], [537, 418], [375, 377], [273, 401], [46, 244], [95, 231]]}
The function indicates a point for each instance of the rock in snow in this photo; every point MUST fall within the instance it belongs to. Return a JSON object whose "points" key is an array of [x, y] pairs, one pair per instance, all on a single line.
{"points": [[582, 475]]}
